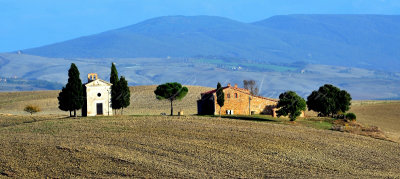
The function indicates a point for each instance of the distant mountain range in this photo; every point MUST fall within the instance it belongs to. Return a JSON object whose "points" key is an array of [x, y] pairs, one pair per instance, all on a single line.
{"points": [[366, 41]]}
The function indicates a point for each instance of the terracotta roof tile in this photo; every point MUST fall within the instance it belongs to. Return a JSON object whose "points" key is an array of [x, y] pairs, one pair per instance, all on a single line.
{"points": [[241, 90], [213, 91]]}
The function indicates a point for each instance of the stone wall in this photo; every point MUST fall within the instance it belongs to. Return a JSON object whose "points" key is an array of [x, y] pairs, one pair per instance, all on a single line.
{"points": [[262, 105], [237, 99]]}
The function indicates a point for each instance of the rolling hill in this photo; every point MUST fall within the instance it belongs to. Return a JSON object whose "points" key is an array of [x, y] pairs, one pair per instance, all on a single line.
{"points": [[383, 114], [151, 146], [281, 53], [366, 41], [186, 147], [272, 79]]}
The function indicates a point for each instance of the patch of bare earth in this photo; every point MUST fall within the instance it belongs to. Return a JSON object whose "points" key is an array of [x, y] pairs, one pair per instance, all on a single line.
{"points": [[357, 128], [185, 147], [383, 114]]}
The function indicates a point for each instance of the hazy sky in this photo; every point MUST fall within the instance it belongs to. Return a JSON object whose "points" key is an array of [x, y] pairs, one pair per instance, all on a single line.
{"points": [[32, 23]]}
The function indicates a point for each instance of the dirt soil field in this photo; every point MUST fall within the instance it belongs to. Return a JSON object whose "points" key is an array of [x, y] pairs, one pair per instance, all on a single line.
{"points": [[383, 114], [186, 147]]}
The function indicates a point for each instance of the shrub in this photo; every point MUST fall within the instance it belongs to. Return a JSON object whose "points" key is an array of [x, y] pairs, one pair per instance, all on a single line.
{"points": [[290, 104], [32, 109], [351, 116]]}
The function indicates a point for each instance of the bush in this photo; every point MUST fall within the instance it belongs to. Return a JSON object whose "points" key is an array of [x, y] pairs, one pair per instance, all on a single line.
{"points": [[351, 116], [290, 104], [32, 109]]}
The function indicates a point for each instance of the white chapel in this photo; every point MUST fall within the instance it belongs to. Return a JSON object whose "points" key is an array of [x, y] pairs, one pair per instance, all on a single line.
{"points": [[98, 97]]}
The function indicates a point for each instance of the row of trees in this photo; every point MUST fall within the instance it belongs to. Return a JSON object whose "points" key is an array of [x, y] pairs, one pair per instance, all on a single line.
{"points": [[72, 95], [328, 100]]}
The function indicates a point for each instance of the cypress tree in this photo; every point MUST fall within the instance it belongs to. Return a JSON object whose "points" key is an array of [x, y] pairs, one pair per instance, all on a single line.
{"points": [[115, 91], [64, 100], [75, 89], [124, 100], [220, 97]]}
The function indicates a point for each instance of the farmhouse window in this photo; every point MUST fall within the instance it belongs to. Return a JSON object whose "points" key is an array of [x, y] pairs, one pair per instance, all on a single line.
{"points": [[236, 95], [228, 95]]}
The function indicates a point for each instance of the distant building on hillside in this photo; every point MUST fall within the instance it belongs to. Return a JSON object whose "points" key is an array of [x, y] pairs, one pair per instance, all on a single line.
{"points": [[237, 101], [98, 97]]}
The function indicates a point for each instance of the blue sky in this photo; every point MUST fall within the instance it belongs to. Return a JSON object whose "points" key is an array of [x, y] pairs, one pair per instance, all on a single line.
{"points": [[32, 23]]}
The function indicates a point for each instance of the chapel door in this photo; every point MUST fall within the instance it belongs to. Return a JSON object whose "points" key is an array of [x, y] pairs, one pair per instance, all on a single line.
{"points": [[99, 108]]}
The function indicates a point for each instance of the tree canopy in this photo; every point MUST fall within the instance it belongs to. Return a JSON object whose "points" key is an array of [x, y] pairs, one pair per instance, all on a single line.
{"points": [[220, 97], [120, 93], [125, 94], [251, 86], [71, 98], [290, 104], [115, 90], [171, 91], [329, 100], [64, 100]]}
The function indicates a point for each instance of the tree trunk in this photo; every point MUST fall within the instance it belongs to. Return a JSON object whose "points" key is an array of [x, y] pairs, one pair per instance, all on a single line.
{"points": [[172, 109], [249, 106], [74, 112], [122, 111], [219, 111], [70, 114]]}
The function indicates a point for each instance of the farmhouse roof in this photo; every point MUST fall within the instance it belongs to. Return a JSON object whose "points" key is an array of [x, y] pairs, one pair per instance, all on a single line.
{"points": [[214, 91], [241, 90]]}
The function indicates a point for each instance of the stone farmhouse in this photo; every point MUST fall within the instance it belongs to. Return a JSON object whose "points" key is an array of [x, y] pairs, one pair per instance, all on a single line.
{"points": [[98, 97], [238, 101]]}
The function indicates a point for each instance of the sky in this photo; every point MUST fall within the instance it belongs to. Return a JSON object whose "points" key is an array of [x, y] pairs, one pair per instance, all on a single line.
{"points": [[32, 23]]}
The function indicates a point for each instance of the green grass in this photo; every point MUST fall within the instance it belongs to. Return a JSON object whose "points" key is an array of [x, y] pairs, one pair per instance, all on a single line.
{"points": [[324, 124]]}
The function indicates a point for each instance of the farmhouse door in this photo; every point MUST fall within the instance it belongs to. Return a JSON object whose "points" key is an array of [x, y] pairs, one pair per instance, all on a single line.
{"points": [[99, 108]]}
